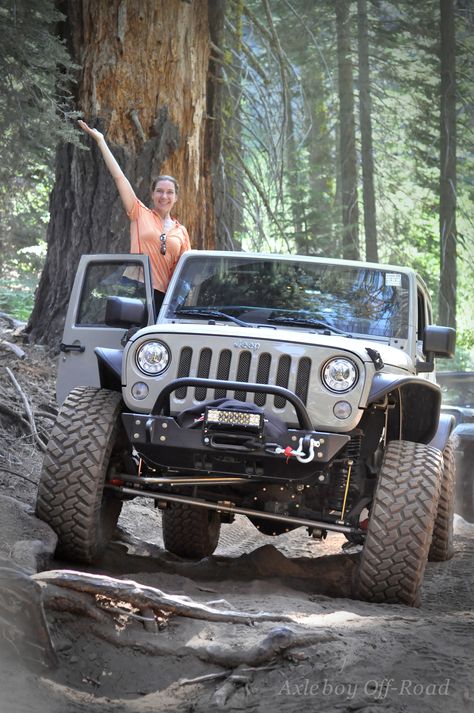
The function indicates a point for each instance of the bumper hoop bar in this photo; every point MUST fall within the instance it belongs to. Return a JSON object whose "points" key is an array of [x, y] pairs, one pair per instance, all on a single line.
{"points": [[162, 403]]}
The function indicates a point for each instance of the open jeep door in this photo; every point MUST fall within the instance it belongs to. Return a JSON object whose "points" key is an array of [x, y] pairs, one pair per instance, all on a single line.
{"points": [[87, 326]]}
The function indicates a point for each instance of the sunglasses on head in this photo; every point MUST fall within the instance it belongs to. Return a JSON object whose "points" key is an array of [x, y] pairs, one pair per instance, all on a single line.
{"points": [[163, 243]]}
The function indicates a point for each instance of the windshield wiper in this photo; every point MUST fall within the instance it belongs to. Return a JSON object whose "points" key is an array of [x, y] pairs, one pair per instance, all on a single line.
{"points": [[213, 313], [308, 322]]}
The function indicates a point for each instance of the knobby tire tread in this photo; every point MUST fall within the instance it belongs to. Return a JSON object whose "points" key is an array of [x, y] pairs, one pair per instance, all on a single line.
{"points": [[190, 532], [70, 492], [401, 524], [442, 544]]}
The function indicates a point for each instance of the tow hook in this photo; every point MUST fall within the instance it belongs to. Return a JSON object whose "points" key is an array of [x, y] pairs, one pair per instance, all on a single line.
{"points": [[301, 455]]}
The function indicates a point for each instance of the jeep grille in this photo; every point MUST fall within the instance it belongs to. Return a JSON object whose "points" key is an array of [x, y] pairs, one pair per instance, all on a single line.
{"points": [[221, 366]]}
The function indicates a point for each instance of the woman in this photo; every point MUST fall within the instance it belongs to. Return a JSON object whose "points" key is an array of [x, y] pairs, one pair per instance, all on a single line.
{"points": [[152, 231]]}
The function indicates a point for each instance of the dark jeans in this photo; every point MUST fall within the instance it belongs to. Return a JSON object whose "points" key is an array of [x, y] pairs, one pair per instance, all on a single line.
{"points": [[158, 299]]}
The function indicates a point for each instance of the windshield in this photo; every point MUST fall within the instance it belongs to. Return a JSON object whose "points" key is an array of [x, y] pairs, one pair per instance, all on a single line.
{"points": [[357, 300]]}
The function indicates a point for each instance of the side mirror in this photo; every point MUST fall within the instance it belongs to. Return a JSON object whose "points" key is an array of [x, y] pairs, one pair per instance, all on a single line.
{"points": [[437, 342], [125, 312]]}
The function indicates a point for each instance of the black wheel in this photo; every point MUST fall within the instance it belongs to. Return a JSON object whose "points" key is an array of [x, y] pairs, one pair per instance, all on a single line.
{"points": [[401, 522], [442, 544], [71, 497], [190, 532]]}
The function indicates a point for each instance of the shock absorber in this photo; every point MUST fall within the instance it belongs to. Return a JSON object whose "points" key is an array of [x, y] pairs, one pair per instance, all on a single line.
{"points": [[345, 483]]}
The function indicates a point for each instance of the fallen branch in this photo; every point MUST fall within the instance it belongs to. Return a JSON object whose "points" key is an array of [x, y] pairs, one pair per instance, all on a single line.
{"points": [[203, 679], [142, 596], [236, 679], [18, 475], [11, 321], [13, 348], [46, 414], [26, 404], [241, 676], [14, 414]]}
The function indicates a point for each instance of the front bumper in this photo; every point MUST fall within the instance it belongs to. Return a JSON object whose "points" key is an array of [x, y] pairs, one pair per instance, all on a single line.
{"points": [[165, 444]]}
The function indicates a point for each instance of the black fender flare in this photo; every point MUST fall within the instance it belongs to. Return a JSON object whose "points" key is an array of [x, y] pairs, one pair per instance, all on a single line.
{"points": [[420, 403], [109, 362], [445, 428]]}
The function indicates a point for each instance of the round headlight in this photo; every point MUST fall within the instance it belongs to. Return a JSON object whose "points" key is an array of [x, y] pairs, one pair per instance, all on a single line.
{"points": [[153, 358], [340, 375]]}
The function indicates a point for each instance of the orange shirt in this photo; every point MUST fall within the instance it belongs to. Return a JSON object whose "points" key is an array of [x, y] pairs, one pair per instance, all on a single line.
{"points": [[146, 227]]}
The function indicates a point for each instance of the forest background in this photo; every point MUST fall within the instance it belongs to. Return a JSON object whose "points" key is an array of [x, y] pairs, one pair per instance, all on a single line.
{"points": [[342, 128]]}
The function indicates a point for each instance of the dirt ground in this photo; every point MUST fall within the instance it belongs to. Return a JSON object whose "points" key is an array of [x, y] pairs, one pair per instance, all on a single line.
{"points": [[333, 653]]}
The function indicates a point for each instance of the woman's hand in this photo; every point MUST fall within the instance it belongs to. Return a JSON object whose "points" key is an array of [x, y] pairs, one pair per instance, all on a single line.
{"points": [[96, 135]]}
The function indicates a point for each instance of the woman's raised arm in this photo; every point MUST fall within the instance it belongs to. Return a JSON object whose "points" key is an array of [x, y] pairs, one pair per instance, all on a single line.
{"points": [[127, 194]]}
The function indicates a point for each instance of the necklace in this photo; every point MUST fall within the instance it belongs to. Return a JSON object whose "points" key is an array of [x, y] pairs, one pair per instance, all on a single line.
{"points": [[167, 222]]}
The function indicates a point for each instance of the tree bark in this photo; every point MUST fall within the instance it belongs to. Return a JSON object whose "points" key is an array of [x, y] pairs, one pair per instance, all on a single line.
{"points": [[144, 69], [365, 112], [295, 184], [347, 149], [447, 197], [320, 215], [227, 65]]}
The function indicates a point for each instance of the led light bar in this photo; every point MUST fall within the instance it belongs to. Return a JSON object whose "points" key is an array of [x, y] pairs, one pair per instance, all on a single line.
{"points": [[241, 419]]}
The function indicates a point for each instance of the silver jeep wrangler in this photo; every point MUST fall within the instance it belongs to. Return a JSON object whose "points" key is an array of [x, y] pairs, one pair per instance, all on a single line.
{"points": [[297, 391]]}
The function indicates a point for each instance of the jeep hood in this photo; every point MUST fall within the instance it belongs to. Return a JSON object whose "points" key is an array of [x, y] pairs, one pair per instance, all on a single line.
{"points": [[252, 339]]}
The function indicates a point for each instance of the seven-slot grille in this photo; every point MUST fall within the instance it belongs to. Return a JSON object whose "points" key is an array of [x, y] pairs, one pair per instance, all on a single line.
{"points": [[230, 366]]}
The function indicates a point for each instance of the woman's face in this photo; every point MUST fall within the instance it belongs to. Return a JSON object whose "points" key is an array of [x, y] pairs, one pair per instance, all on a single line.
{"points": [[164, 196]]}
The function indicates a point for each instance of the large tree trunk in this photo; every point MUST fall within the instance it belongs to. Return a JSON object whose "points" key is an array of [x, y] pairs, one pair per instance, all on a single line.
{"points": [[365, 111], [214, 128], [447, 202], [143, 76], [229, 185], [347, 149], [320, 212], [294, 184]]}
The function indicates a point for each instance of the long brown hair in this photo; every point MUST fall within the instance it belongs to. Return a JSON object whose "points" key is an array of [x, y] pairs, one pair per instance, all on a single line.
{"points": [[165, 178]]}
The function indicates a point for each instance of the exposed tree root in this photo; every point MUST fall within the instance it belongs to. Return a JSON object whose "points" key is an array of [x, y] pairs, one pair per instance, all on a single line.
{"points": [[38, 439], [18, 351], [11, 321], [56, 599], [14, 415], [276, 642], [142, 597]]}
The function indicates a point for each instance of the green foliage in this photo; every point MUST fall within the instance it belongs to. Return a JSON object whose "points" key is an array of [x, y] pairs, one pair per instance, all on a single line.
{"points": [[17, 293], [35, 79], [464, 358], [35, 74]]}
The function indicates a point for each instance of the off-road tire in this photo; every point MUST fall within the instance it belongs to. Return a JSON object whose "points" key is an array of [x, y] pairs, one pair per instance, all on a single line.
{"points": [[401, 523], [442, 544], [71, 497], [190, 532]]}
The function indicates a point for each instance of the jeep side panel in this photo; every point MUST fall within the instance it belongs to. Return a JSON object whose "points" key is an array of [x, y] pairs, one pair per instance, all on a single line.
{"points": [[99, 277]]}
